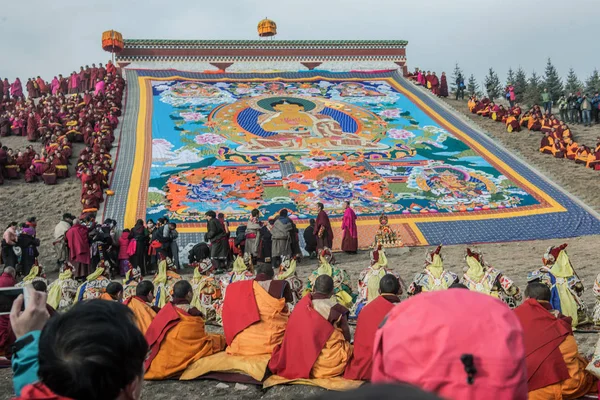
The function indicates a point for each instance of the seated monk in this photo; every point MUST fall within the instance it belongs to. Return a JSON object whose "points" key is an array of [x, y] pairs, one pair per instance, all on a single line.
{"points": [[546, 125], [512, 124], [555, 370], [534, 124], [316, 344], [559, 149], [516, 111], [176, 337], [594, 157], [566, 132], [141, 305], [49, 176], [547, 144], [582, 155], [472, 103], [255, 313], [114, 292], [359, 367], [524, 121], [571, 148]]}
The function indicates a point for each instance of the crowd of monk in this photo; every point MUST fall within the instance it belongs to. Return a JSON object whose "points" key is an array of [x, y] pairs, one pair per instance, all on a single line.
{"points": [[557, 140], [271, 336], [429, 80], [58, 116]]}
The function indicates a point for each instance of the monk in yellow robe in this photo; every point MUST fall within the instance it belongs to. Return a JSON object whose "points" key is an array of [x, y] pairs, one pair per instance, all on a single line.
{"points": [[176, 337], [255, 313], [555, 369], [316, 344], [141, 305]]}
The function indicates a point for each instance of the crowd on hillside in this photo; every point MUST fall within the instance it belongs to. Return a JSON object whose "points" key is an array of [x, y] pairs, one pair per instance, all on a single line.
{"points": [[437, 85], [267, 312], [558, 139], [58, 115]]}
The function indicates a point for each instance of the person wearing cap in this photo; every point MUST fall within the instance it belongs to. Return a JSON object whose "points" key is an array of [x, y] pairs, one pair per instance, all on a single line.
{"points": [[60, 244], [164, 281], [61, 292], [359, 367], [565, 286], [483, 278], [207, 290], [318, 317], [133, 277], [177, 337], [451, 353], [141, 305], [434, 276], [555, 369]]}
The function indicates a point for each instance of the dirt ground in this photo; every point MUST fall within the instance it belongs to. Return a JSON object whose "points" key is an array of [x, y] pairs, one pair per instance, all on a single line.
{"points": [[514, 259]]}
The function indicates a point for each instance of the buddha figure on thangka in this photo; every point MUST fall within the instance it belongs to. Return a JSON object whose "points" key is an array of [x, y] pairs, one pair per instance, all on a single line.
{"points": [[566, 289], [483, 278], [434, 276], [368, 281], [342, 285], [287, 271]]}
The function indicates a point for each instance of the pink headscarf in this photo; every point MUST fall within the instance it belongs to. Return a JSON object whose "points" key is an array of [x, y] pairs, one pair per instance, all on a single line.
{"points": [[425, 339]]}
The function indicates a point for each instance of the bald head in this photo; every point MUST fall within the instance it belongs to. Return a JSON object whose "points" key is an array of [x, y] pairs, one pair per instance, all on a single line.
{"points": [[324, 285], [11, 271]]}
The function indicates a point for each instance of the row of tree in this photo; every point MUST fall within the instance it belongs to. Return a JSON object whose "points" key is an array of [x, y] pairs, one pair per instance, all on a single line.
{"points": [[529, 89]]}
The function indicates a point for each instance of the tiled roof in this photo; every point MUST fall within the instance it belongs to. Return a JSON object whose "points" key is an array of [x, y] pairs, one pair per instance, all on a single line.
{"points": [[264, 43]]}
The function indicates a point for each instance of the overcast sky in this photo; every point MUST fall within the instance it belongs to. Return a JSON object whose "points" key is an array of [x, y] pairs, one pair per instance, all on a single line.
{"points": [[42, 37]]}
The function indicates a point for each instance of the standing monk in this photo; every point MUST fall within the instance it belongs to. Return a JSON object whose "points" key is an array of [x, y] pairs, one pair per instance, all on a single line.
{"points": [[444, 86], [323, 230], [349, 230], [79, 248], [435, 84], [32, 128]]}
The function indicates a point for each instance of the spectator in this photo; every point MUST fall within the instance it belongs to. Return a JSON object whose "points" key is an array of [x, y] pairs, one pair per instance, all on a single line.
{"points": [[573, 109], [460, 87], [9, 241], [310, 240], [586, 111], [547, 100], [29, 248], [596, 108], [60, 243], [510, 95], [563, 106], [94, 351]]}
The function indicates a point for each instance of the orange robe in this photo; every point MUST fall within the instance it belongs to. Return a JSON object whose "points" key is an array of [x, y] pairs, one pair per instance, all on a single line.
{"points": [[144, 314], [512, 125], [262, 336], [547, 145], [176, 339], [106, 296], [572, 150]]}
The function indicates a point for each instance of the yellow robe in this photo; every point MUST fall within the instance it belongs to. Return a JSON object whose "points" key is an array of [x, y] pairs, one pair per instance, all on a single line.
{"points": [[144, 314], [184, 344], [263, 336]]}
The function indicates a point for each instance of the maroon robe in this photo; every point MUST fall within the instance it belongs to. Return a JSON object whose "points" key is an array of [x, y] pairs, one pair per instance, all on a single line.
{"points": [[325, 239], [444, 87], [32, 129], [79, 246]]}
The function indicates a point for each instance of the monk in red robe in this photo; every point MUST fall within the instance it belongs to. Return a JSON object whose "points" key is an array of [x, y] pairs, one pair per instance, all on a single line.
{"points": [[555, 370], [176, 337], [369, 319], [111, 69], [443, 85], [79, 249], [323, 231], [435, 84], [32, 128], [316, 344], [7, 337]]}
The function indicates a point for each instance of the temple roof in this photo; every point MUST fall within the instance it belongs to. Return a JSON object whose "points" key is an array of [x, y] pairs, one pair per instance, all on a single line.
{"points": [[147, 43]]}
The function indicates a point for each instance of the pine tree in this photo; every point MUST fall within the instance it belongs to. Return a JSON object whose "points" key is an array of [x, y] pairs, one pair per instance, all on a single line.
{"points": [[520, 84], [510, 77], [472, 86], [533, 93], [592, 84], [455, 74], [492, 85], [552, 81], [573, 84]]}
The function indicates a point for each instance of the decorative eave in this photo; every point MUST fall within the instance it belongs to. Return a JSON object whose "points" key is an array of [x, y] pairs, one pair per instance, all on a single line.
{"points": [[262, 44]]}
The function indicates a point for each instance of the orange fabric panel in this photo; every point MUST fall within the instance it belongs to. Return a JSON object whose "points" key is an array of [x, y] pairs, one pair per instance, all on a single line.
{"points": [[333, 358], [144, 314], [263, 336], [184, 344]]}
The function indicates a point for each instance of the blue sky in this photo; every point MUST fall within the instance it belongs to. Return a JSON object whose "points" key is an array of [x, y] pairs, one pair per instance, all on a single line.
{"points": [[41, 37]]}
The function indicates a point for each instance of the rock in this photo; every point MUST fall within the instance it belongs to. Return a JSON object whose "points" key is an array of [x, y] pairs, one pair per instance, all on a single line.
{"points": [[239, 386], [223, 386]]}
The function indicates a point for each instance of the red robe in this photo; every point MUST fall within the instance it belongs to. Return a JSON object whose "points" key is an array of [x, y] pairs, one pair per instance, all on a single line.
{"points": [[7, 336], [32, 129], [306, 334], [326, 239], [369, 319], [543, 333], [165, 320], [39, 391], [444, 87], [240, 310], [79, 246]]}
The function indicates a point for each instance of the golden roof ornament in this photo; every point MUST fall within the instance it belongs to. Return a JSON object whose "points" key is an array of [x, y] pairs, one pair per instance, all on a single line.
{"points": [[267, 28]]}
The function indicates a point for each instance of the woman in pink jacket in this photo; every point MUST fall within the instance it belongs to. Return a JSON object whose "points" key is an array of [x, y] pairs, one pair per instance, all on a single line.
{"points": [[124, 240]]}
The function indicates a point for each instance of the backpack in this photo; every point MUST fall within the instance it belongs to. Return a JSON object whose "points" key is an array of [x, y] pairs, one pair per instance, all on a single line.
{"points": [[132, 247]]}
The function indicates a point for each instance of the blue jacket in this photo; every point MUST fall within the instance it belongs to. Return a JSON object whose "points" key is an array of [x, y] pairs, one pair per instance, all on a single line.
{"points": [[25, 364]]}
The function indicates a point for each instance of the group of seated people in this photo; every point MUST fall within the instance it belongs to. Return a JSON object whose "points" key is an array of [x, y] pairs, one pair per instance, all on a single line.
{"points": [[529, 352], [58, 121], [557, 140]]}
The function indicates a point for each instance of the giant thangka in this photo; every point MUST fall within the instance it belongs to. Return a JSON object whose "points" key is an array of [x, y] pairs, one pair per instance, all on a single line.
{"points": [[195, 142]]}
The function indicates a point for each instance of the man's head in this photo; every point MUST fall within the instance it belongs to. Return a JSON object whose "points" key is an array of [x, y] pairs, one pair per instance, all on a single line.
{"points": [[320, 206], [10, 271], [389, 284], [346, 204], [210, 215], [39, 286], [265, 269], [537, 291], [115, 290], [312, 222], [255, 213], [93, 351], [182, 290], [146, 289], [324, 285], [283, 213]]}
